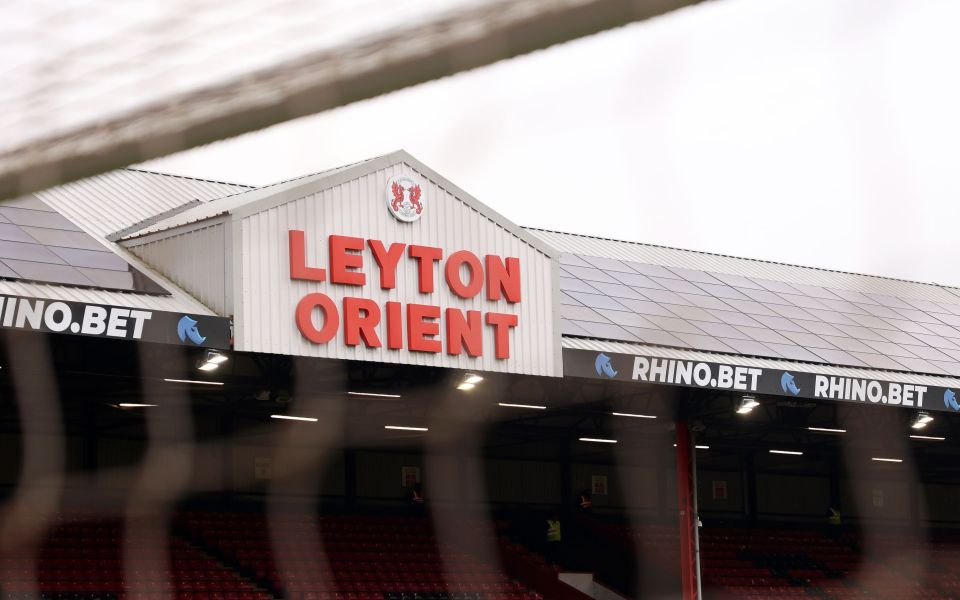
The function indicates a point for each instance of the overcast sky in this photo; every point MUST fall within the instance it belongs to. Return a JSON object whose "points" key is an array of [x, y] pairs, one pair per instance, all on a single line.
{"points": [[817, 132]]}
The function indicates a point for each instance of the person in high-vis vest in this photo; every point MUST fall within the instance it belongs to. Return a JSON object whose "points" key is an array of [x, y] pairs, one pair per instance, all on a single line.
{"points": [[554, 534], [833, 518], [554, 539]]}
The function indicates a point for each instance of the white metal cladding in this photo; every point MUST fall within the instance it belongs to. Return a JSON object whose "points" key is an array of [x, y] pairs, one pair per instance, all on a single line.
{"points": [[717, 263], [749, 361], [267, 297], [194, 259], [116, 200]]}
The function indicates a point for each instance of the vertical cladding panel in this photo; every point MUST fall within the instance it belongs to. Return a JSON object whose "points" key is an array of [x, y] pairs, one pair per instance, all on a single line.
{"points": [[194, 260], [265, 317]]}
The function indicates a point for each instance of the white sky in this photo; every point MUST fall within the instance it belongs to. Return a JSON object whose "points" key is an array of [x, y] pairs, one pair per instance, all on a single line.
{"points": [[817, 132]]}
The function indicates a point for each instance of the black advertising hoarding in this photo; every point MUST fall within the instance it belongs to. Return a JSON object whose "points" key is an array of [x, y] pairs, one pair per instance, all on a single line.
{"points": [[757, 380], [114, 322]]}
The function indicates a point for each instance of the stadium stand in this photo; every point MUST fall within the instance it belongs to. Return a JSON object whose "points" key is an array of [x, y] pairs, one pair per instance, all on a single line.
{"points": [[366, 558], [82, 559]]}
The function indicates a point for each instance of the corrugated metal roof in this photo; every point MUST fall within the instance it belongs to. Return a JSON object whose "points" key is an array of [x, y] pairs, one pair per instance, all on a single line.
{"points": [[228, 204], [116, 200], [749, 361], [746, 267]]}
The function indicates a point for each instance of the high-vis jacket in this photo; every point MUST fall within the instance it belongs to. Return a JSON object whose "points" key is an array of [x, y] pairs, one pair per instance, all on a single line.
{"points": [[553, 530]]}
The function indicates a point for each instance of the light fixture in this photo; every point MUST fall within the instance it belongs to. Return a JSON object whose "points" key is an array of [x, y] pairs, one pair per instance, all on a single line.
{"points": [[533, 406], [598, 440], [702, 447], [635, 416], [921, 420], [134, 405], [891, 460], [747, 403], [791, 452], [374, 395], [931, 438], [216, 357], [293, 418], [196, 381], [405, 428], [211, 360], [465, 386], [472, 378], [827, 429]]}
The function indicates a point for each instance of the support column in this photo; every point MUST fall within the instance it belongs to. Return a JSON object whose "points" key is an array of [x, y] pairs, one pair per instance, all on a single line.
{"points": [[749, 480], [833, 467], [686, 503], [350, 477], [566, 478]]}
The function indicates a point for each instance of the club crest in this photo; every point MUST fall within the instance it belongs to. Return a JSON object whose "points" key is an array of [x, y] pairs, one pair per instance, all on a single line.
{"points": [[404, 198]]}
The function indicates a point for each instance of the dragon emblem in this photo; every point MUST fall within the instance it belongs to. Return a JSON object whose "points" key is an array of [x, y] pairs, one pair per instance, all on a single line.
{"points": [[404, 198]]}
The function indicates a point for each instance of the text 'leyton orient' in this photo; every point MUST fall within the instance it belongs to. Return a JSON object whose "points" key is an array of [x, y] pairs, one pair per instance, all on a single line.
{"points": [[465, 275]]}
